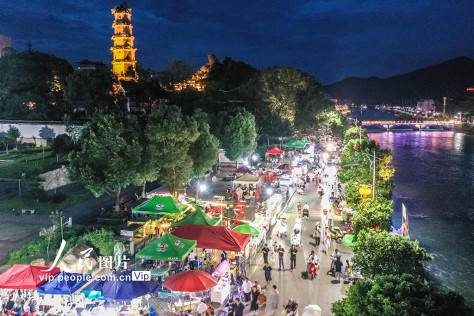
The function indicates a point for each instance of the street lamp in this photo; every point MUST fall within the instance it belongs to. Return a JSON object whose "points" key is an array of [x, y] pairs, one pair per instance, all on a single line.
{"points": [[372, 162]]}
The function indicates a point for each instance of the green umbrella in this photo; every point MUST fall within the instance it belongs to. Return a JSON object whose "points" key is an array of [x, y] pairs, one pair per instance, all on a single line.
{"points": [[246, 229], [161, 205], [305, 141], [167, 248], [295, 144], [349, 240], [198, 218]]}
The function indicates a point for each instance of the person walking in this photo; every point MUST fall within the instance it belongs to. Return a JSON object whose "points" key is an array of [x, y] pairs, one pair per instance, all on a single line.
{"points": [[330, 217], [268, 274], [247, 288], [338, 266], [281, 253], [293, 252], [327, 239], [253, 303], [239, 308], [262, 301], [317, 234], [274, 300], [265, 252], [347, 270], [191, 257]]}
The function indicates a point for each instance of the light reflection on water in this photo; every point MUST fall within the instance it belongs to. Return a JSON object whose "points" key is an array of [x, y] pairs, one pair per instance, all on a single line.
{"points": [[435, 179]]}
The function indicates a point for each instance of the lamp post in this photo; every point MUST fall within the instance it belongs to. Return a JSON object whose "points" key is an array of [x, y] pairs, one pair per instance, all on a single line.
{"points": [[372, 162]]}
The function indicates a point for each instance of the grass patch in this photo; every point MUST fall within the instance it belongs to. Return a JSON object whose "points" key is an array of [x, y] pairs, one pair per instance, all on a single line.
{"points": [[73, 196], [30, 160], [101, 240]]}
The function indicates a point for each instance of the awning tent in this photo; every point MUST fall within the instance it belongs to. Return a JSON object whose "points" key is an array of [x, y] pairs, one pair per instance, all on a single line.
{"points": [[243, 170], [122, 287], [247, 179], [26, 277], [247, 229], [213, 237], [161, 205], [167, 248], [65, 283], [305, 141], [295, 144], [275, 151], [199, 218]]}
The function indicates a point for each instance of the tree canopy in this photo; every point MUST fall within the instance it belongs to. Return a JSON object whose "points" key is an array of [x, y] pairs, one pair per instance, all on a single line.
{"points": [[32, 86], [171, 135], [108, 155], [205, 150], [239, 137], [395, 295], [380, 253], [373, 214]]}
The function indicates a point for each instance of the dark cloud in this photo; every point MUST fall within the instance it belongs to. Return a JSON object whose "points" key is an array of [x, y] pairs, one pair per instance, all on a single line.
{"points": [[331, 39]]}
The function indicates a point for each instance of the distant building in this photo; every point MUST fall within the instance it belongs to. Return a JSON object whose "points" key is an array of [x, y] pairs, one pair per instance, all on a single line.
{"points": [[5, 44], [426, 106], [89, 65], [123, 50]]}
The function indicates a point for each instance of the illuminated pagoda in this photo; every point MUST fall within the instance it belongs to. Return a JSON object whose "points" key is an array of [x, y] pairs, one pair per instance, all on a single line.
{"points": [[123, 50]]}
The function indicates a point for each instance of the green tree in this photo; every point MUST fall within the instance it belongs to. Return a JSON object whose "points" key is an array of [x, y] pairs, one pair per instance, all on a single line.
{"points": [[380, 253], [92, 90], [240, 136], [108, 156], [13, 134], [373, 214], [205, 150], [32, 86], [171, 135], [335, 121], [395, 295], [293, 96], [62, 145], [181, 69]]}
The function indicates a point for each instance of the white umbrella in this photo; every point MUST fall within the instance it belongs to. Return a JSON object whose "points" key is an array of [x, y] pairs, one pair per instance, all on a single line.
{"points": [[311, 310]]}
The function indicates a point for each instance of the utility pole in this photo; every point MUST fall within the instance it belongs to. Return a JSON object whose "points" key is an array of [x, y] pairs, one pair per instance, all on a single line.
{"points": [[444, 104]]}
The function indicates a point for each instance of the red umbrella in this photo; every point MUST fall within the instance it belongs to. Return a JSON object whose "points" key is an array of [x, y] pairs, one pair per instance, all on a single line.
{"points": [[190, 281]]}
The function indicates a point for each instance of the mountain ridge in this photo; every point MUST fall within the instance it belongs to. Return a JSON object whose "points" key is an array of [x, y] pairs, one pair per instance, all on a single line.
{"points": [[449, 78]]}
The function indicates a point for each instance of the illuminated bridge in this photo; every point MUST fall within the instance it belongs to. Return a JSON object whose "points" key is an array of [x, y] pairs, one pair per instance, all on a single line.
{"points": [[409, 125]]}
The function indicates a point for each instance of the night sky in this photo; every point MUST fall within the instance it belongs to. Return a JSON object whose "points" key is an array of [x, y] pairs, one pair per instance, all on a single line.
{"points": [[331, 39]]}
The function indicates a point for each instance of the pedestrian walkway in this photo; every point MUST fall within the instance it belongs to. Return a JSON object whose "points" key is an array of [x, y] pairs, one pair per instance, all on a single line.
{"points": [[323, 290]]}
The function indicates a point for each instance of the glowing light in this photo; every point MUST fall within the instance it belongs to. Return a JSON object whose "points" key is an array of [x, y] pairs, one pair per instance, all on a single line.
{"points": [[202, 187], [269, 191]]}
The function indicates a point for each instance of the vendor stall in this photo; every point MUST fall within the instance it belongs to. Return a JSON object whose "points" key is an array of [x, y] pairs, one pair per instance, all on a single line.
{"points": [[198, 217], [167, 248], [26, 277], [161, 205], [248, 187], [213, 237]]}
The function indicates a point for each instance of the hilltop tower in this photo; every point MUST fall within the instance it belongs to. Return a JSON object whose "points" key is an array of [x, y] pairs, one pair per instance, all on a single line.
{"points": [[123, 50]]}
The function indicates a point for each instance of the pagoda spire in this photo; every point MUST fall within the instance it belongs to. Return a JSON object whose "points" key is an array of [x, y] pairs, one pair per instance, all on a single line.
{"points": [[124, 63]]}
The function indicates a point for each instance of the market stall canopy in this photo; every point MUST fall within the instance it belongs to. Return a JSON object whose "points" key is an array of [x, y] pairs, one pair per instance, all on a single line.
{"points": [[199, 218], [125, 288], [295, 144], [190, 281], [167, 248], [26, 277], [222, 268], [161, 205], [65, 283], [305, 141], [311, 310], [349, 240], [247, 179], [275, 151], [242, 170], [246, 229], [213, 237]]}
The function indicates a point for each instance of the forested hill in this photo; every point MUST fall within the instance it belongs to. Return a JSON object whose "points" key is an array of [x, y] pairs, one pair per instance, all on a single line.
{"points": [[450, 78]]}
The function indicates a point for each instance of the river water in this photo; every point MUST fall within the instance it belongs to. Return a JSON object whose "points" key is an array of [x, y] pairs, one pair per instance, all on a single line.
{"points": [[434, 178]]}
